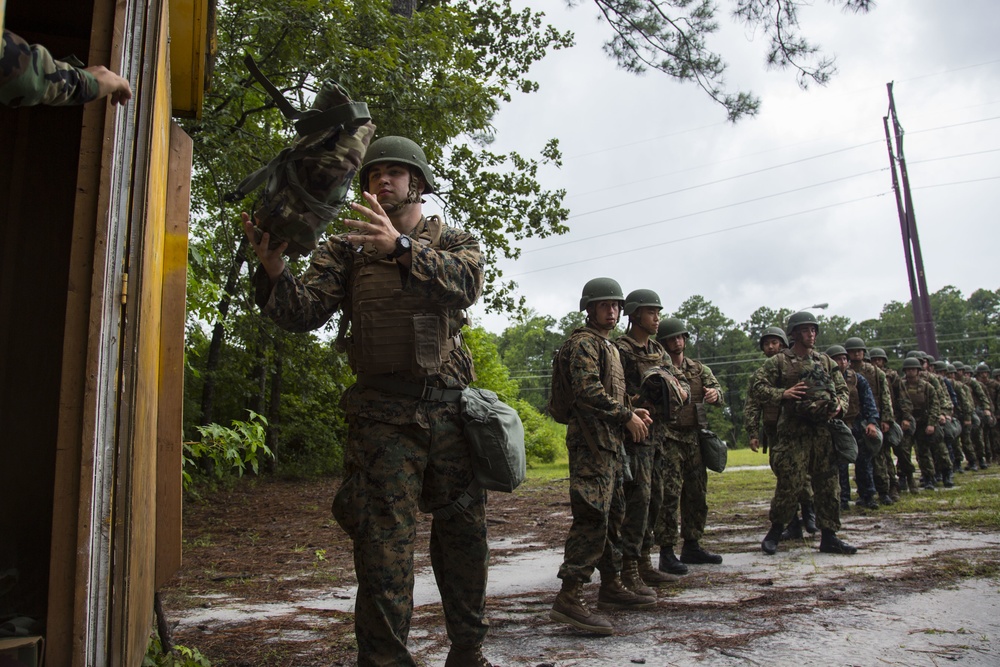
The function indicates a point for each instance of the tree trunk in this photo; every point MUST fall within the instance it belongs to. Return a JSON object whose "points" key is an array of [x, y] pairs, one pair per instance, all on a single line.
{"points": [[274, 403], [404, 8], [218, 334]]}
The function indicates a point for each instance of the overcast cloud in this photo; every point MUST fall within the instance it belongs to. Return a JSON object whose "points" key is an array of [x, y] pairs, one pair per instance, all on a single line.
{"points": [[787, 209]]}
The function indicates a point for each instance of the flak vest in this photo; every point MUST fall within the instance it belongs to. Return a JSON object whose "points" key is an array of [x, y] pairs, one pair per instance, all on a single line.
{"points": [[691, 415], [854, 406], [393, 331], [918, 396]]}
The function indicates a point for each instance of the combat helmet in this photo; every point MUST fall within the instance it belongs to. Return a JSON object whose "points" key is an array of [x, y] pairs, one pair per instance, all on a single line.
{"points": [[981, 367], [854, 343], [800, 318], [878, 353], [950, 368], [772, 332], [640, 298], [836, 351], [912, 362], [601, 289], [940, 366], [671, 327], [397, 149], [915, 354]]}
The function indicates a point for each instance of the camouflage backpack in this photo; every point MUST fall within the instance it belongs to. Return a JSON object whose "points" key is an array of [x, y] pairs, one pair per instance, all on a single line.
{"points": [[308, 182]]}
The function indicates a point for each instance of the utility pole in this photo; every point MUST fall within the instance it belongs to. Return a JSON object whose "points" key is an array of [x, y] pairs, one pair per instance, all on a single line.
{"points": [[923, 318]]}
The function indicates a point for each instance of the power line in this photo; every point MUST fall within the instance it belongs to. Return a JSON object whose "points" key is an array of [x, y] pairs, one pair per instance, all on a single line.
{"points": [[703, 234]]}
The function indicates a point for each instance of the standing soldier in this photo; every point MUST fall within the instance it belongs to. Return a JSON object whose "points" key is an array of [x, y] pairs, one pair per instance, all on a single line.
{"points": [[954, 426], [762, 429], [884, 472], [989, 385], [926, 401], [400, 272], [992, 379], [903, 415], [640, 353], [982, 407], [685, 479], [804, 383], [965, 446], [862, 417], [589, 384]]}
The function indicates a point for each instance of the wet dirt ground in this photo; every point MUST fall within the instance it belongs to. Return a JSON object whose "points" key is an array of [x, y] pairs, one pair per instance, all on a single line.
{"points": [[268, 580]]}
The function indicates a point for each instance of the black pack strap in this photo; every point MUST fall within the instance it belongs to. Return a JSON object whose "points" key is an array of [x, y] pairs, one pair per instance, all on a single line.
{"points": [[467, 498], [352, 115], [286, 108], [422, 391]]}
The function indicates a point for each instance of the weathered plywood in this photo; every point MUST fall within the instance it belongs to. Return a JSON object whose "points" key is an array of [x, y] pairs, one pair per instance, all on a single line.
{"points": [[190, 49], [170, 420]]}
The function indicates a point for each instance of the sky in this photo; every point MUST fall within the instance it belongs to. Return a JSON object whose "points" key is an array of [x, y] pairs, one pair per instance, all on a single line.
{"points": [[788, 209]]}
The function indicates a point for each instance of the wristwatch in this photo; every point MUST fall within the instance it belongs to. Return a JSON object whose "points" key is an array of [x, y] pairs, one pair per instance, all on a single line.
{"points": [[404, 244]]}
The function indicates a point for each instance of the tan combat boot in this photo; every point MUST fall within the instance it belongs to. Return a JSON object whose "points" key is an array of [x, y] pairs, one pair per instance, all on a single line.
{"points": [[632, 580], [570, 608], [651, 575], [614, 595]]}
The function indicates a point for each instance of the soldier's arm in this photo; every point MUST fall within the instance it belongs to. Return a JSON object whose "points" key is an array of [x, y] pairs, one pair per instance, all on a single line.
{"points": [[885, 402], [306, 303], [905, 404], [450, 275], [29, 75], [681, 379], [709, 381], [841, 390], [934, 406], [751, 415], [764, 384]]}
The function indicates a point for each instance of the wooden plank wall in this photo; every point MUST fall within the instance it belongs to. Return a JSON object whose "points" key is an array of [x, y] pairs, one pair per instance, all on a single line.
{"points": [[170, 420]]}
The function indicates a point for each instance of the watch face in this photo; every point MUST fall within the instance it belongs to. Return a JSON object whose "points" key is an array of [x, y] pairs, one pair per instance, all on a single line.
{"points": [[404, 242]]}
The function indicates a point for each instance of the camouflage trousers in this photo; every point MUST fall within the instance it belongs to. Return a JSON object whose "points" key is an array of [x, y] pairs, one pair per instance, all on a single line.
{"points": [[932, 452], [805, 451], [770, 437], [636, 496], [392, 473], [597, 502], [682, 482], [884, 471], [978, 441], [904, 455], [969, 449]]}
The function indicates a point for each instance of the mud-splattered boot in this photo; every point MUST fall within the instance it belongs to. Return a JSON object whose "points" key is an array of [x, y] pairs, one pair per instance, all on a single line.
{"points": [[466, 656], [569, 608], [651, 575], [614, 595], [632, 580]]}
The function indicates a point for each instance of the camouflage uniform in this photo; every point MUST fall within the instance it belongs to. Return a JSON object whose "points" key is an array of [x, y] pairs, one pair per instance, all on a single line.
{"points": [[595, 465], [981, 403], [883, 470], [902, 411], [966, 408], [684, 478], [762, 422], [404, 454], [641, 501], [804, 447], [29, 75], [927, 410], [993, 452]]}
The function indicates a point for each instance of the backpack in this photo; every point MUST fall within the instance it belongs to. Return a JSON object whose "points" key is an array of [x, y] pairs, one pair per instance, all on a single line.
{"points": [[307, 183], [561, 396]]}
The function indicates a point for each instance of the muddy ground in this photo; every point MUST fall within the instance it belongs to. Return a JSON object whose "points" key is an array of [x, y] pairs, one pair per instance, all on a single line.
{"points": [[268, 580]]}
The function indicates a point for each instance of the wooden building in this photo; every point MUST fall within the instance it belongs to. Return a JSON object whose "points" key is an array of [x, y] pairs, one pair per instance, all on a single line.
{"points": [[94, 204]]}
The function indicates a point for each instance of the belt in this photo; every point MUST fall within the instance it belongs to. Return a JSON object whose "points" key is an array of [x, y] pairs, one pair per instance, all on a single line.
{"points": [[424, 391]]}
